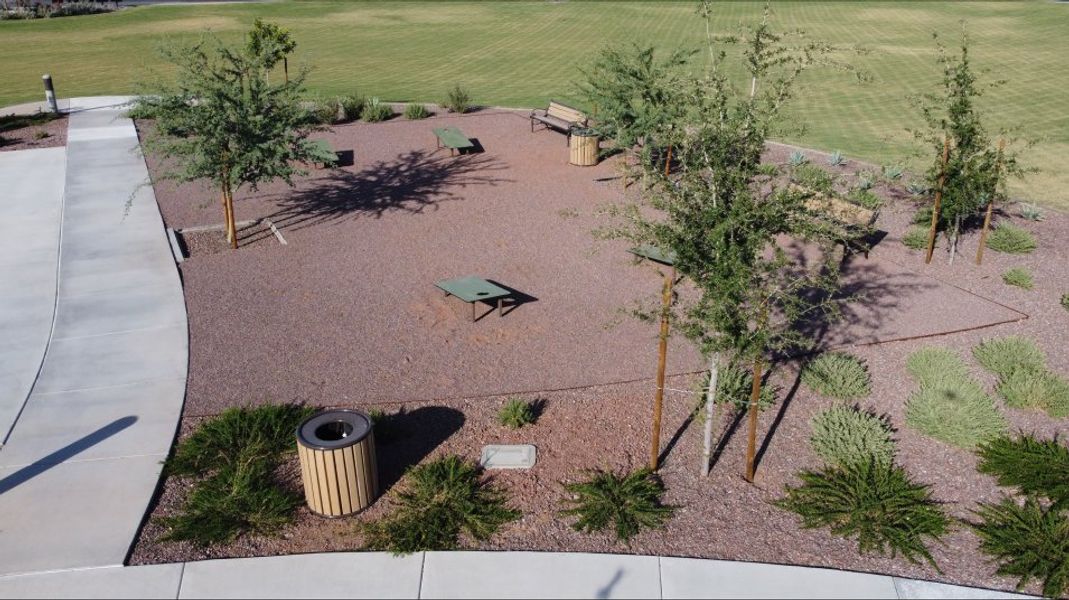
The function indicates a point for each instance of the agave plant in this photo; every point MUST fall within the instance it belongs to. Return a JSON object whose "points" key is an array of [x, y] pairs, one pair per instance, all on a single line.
{"points": [[1031, 212], [916, 189], [865, 180], [836, 159], [797, 159], [892, 172]]}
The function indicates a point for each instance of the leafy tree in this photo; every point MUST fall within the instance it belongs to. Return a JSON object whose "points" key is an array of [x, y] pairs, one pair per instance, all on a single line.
{"points": [[272, 43], [722, 217], [975, 169], [222, 121]]}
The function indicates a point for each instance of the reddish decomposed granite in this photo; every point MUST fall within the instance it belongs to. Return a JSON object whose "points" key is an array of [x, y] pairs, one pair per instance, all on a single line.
{"points": [[346, 314], [51, 134]]}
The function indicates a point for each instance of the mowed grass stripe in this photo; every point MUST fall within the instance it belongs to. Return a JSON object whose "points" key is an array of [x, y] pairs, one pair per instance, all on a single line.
{"points": [[524, 53]]}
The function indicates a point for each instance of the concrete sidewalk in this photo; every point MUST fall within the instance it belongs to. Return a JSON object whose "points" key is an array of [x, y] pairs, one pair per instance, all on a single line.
{"points": [[83, 459], [474, 575]]}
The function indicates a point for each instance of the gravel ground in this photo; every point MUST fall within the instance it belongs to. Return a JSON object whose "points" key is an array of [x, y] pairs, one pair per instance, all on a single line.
{"points": [[346, 315], [25, 138]]}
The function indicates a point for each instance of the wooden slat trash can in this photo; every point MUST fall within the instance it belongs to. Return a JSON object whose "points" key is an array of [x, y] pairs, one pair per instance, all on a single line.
{"points": [[337, 453], [583, 147]]}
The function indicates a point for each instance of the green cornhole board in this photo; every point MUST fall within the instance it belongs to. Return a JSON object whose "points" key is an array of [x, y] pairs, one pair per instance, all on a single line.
{"points": [[472, 290], [452, 138], [655, 254], [324, 153]]}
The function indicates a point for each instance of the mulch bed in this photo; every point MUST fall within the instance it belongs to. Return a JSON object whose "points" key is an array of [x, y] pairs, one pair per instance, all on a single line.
{"points": [[51, 134], [346, 315]]}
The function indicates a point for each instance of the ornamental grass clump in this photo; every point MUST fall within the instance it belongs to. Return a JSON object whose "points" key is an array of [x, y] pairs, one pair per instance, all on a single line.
{"points": [[457, 100], [845, 434], [1029, 541], [626, 503], [1004, 355], [950, 406], [375, 111], [1018, 277], [916, 238], [517, 413], [933, 365], [1011, 240], [414, 112], [874, 502], [441, 500], [837, 375], [233, 460], [1037, 389], [1034, 467]]}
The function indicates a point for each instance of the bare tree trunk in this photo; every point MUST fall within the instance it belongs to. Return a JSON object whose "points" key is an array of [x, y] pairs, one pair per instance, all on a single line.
{"points": [[710, 413], [231, 224]]}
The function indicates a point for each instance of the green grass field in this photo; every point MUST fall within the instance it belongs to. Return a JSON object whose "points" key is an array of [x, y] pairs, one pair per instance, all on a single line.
{"points": [[523, 53]]}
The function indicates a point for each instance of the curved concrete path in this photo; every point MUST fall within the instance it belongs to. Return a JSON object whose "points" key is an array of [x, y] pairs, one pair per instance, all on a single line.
{"points": [[83, 458], [474, 575]]}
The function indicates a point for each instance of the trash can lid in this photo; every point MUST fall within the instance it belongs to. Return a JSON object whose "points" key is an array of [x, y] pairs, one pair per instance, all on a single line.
{"points": [[334, 429]]}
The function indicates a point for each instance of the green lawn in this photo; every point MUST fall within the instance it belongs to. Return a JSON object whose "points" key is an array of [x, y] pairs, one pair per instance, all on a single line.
{"points": [[523, 53]]}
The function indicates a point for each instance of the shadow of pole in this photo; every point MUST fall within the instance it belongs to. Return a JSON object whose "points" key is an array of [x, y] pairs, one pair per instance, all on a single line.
{"points": [[65, 453]]}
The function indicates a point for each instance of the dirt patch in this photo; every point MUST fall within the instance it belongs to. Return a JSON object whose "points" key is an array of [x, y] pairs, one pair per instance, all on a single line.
{"points": [[30, 132]]}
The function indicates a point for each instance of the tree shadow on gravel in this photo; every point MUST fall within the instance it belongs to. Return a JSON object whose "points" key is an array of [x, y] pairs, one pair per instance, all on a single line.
{"points": [[413, 183], [413, 436]]}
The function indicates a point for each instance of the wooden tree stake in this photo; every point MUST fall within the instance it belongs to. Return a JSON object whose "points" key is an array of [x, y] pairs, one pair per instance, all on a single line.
{"points": [[668, 162], [662, 357], [751, 443], [990, 203], [938, 198]]}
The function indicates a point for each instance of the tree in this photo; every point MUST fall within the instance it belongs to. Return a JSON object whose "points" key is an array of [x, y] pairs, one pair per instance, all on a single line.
{"points": [[975, 168], [723, 217], [221, 121], [271, 43]]}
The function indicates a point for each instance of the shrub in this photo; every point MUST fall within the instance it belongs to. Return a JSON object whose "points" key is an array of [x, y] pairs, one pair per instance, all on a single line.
{"points": [[768, 169], [957, 412], [917, 189], [892, 172], [516, 413], [1034, 467], [1018, 277], [836, 159], [734, 386], [916, 238], [1011, 240], [1031, 212], [441, 500], [626, 503], [875, 503], [414, 112], [813, 178], [234, 457], [865, 198], [844, 434], [321, 111], [837, 375], [457, 100], [1065, 301], [1029, 541], [932, 366], [1003, 355], [1036, 388], [40, 134], [375, 111], [865, 180], [797, 159], [923, 216], [350, 107]]}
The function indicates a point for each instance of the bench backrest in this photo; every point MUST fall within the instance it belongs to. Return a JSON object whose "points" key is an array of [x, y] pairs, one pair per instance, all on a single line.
{"points": [[565, 113], [842, 211]]}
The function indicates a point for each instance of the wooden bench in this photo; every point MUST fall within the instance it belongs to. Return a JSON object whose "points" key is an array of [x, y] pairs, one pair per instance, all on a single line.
{"points": [[855, 220], [558, 116]]}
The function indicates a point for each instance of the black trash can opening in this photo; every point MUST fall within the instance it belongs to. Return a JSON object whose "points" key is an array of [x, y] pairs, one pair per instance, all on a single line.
{"points": [[338, 465]]}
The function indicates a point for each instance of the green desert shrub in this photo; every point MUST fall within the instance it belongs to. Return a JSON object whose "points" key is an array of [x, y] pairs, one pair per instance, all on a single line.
{"points": [[955, 412], [1028, 541], [892, 172], [350, 107], [916, 238], [441, 500], [414, 112], [233, 459], [1018, 277], [1004, 355], [874, 502], [1065, 301], [1031, 212], [846, 434], [624, 503], [1035, 467], [813, 177], [933, 365], [1036, 388], [836, 159], [918, 189], [923, 216], [864, 198], [734, 386], [457, 100], [1011, 240], [837, 375], [866, 180], [375, 111], [516, 413]]}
